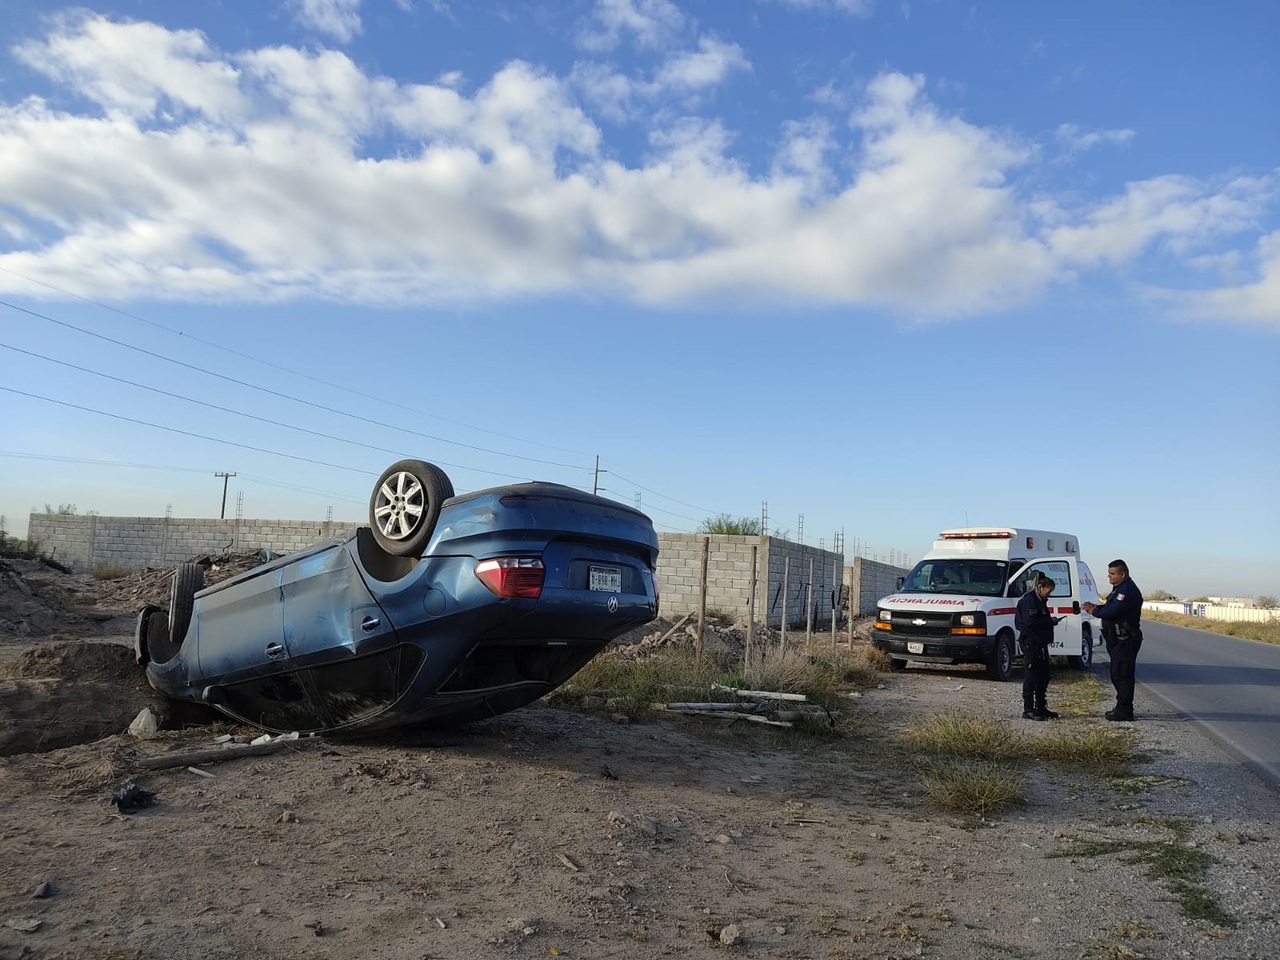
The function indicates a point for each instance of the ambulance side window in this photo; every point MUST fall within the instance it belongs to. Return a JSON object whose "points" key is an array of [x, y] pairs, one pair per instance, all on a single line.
{"points": [[1018, 587], [1059, 572]]}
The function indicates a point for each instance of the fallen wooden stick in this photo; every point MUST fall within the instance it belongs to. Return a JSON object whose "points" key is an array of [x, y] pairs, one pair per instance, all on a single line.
{"points": [[679, 624], [760, 694], [709, 706], [214, 755], [733, 715]]}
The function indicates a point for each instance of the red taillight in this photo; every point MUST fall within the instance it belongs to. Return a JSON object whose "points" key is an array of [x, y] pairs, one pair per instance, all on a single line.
{"points": [[512, 576]]}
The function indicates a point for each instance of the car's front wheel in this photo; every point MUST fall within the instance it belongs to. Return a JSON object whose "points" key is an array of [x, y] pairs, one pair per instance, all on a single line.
{"points": [[405, 506]]}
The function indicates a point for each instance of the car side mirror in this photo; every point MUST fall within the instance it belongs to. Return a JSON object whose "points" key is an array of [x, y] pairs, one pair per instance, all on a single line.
{"points": [[898, 583]]}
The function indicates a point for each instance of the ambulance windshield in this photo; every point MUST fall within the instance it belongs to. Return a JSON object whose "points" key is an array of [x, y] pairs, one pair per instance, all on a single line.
{"points": [[979, 578]]}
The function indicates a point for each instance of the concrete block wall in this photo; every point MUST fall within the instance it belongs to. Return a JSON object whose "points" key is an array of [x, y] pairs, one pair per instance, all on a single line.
{"points": [[729, 577], [869, 580], [728, 573], [791, 569], [86, 543]]}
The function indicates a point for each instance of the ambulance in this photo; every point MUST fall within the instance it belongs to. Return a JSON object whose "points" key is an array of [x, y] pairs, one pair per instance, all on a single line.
{"points": [[957, 604]]}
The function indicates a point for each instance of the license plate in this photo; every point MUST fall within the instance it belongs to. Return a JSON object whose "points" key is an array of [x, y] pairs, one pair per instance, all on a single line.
{"points": [[608, 579], [915, 648]]}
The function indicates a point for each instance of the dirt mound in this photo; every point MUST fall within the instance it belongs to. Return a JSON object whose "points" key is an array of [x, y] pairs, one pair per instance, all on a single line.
{"points": [[27, 609], [76, 661], [57, 695]]}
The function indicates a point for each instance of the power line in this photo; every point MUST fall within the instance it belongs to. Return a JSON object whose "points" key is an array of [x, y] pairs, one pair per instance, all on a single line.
{"points": [[219, 407], [160, 466], [200, 436], [283, 396], [276, 366]]}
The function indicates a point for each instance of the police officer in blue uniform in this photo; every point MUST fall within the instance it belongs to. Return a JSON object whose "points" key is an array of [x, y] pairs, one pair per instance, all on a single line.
{"points": [[1035, 626], [1121, 618]]}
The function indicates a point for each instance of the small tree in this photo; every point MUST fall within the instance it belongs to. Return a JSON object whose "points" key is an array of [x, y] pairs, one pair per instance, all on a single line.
{"points": [[1160, 595], [1266, 602], [64, 510], [723, 523]]}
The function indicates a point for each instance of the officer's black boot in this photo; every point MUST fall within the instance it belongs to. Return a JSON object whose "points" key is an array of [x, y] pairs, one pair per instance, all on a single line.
{"points": [[1043, 712], [1029, 710]]}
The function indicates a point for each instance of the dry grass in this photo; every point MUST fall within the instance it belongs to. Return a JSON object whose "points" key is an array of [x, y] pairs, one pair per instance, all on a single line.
{"points": [[1268, 631], [962, 735], [1106, 749], [972, 788], [110, 572]]}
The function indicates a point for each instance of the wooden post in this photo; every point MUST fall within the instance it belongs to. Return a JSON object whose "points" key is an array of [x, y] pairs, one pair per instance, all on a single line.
{"points": [[702, 602], [853, 582], [786, 576], [751, 610], [835, 600], [808, 603]]}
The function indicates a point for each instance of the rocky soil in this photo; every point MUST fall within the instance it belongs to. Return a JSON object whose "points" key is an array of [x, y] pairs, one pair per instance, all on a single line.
{"points": [[552, 833]]}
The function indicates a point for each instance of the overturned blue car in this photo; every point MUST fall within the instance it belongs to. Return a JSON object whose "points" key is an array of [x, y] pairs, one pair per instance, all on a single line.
{"points": [[443, 610]]}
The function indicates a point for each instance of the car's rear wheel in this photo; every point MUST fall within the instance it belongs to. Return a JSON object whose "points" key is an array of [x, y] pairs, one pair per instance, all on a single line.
{"points": [[188, 579], [405, 506]]}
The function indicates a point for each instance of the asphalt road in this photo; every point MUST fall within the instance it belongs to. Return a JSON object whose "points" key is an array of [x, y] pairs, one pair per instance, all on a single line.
{"points": [[1229, 685]]}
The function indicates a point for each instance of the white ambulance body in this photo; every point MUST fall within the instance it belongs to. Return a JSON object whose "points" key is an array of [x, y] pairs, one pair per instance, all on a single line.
{"points": [[957, 604]]}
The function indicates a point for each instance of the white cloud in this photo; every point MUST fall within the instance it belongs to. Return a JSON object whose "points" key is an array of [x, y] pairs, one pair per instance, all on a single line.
{"points": [[1076, 140], [648, 23], [339, 19], [135, 69], [710, 65], [858, 8], [682, 75], [1256, 302], [252, 176]]}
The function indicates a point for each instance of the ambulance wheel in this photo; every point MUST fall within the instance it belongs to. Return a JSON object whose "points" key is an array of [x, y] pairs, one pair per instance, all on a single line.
{"points": [[1085, 660], [1000, 664]]}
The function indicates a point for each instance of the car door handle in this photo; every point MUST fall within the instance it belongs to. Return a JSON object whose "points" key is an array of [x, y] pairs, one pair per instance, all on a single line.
{"points": [[275, 650], [370, 624]]}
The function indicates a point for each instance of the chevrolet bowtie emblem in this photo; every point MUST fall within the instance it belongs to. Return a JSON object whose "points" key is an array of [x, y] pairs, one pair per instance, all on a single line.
{"points": [[917, 622]]}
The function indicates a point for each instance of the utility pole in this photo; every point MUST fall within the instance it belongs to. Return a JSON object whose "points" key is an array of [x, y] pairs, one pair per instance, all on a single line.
{"points": [[225, 477], [595, 483]]}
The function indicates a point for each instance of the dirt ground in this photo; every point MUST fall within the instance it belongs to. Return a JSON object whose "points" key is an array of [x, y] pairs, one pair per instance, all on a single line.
{"points": [[552, 833]]}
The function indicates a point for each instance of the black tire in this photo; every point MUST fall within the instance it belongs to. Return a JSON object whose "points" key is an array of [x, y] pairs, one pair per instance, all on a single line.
{"points": [[188, 579], [897, 665], [1085, 660], [405, 506], [1000, 664], [141, 638]]}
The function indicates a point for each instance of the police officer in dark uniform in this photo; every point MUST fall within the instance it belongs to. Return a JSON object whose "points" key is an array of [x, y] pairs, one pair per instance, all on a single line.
{"points": [[1035, 626], [1121, 618]]}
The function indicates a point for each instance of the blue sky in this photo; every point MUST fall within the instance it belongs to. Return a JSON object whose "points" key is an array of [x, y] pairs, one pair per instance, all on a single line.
{"points": [[889, 267]]}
